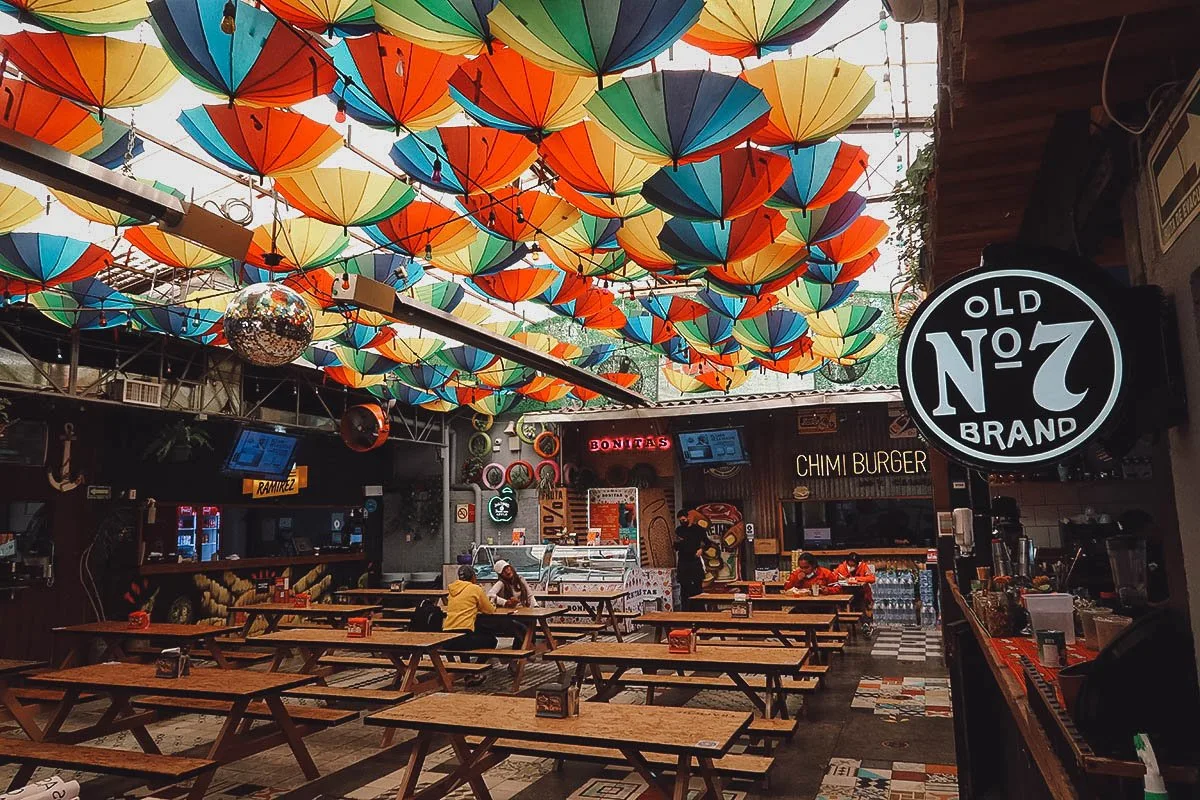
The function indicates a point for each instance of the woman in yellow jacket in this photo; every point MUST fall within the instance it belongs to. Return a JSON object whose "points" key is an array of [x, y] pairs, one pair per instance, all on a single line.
{"points": [[465, 600]]}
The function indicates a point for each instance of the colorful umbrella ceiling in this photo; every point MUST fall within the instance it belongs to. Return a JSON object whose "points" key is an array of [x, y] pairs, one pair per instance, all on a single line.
{"points": [[442, 295], [812, 297], [505, 373], [496, 403], [821, 174], [459, 27], [566, 286], [505, 91], [388, 82], [71, 313], [464, 159], [679, 116], [810, 98], [734, 308], [95, 70], [672, 307], [485, 254], [624, 206], [722, 187], [332, 17], [820, 224], [592, 37], [638, 237], [364, 361], [467, 358], [93, 212], [296, 243], [592, 161], [520, 215], [588, 265], [17, 207], [771, 332], [546, 389], [260, 141], [45, 116], [708, 331], [589, 234], [264, 61], [847, 350], [342, 196], [171, 250], [80, 17], [423, 230], [710, 243], [751, 28], [778, 260], [647, 329], [47, 260], [113, 150], [515, 285], [411, 350]]}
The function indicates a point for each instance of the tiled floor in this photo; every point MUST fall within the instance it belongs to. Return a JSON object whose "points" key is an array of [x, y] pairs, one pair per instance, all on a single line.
{"points": [[855, 779], [909, 644], [904, 697]]}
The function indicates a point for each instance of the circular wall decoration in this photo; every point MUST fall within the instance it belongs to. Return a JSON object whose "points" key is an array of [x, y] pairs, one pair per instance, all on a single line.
{"points": [[492, 476], [482, 422], [570, 473], [181, 611], [479, 445], [527, 431], [519, 474], [546, 444], [555, 474]]}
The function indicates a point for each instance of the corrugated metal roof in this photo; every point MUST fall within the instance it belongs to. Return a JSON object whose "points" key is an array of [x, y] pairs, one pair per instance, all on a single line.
{"points": [[724, 404]]}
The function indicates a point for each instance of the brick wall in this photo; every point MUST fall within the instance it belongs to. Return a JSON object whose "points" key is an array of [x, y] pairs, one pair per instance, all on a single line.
{"points": [[1043, 504]]}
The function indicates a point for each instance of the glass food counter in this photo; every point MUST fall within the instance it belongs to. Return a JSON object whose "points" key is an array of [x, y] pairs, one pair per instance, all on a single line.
{"points": [[610, 565], [531, 561]]}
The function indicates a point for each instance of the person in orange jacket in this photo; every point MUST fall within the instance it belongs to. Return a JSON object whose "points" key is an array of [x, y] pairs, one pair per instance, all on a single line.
{"points": [[808, 574], [855, 571]]}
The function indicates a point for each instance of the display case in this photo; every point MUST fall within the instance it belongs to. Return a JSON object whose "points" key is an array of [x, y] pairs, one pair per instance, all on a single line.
{"points": [[531, 561], [603, 564]]}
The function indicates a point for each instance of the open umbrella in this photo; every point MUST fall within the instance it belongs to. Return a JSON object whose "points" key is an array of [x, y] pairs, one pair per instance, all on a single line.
{"points": [[820, 224], [296, 243], [483, 255], [721, 187], [364, 361], [173, 251], [442, 295], [459, 27], [629, 272], [751, 28], [473, 313], [592, 302], [505, 91], [263, 61], [590, 234], [388, 82], [626, 379], [607, 319], [505, 327], [70, 312], [79, 16], [411, 350], [545, 389], [639, 238], [113, 150], [821, 174], [363, 334], [841, 271], [812, 297], [811, 98], [423, 230], [771, 332], [588, 265], [98, 71], [778, 260], [844, 321], [332, 17], [647, 329], [592, 161], [464, 159], [466, 358], [860, 238], [260, 141], [847, 350], [515, 284], [567, 286], [520, 215], [342, 196], [45, 116], [679, 116], [504, 373], [351, 378], [734, 308], [17, 207], [184, 321], [624, 206], [704, 378], [709, 243], [799, 360], [397, 271], [671, 307], [404, 394], [707, 332], [535, 340], [592, 37], [94, 212], [495, 403], [48, 260], [595, 355]]}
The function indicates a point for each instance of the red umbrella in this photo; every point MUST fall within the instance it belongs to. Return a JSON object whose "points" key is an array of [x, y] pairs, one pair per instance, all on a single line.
{"points": [[626, 379], [394, 83], [422, 230], [260, 141], [516, 284], [520, 215], [45, 116], [609, 319]]}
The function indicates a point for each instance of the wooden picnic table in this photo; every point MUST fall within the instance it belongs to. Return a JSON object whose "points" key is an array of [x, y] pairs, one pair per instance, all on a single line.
{"points": [[11, 706], [741, 586], [229, 696], [690, 735], [414, 595], [782, 625], [599, 605], [337, 613], [116, 634], [533, 620], [735, 662], [405, 651], [827, 602]]}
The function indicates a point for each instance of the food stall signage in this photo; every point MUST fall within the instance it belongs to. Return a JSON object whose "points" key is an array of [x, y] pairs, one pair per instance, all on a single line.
{"points": [[862, 462], [296, 480], [1016, 365], [502, 508], [617, 444]]}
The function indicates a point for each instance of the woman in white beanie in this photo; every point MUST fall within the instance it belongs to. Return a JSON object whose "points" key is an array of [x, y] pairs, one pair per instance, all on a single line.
{"points": [[510, 591]]}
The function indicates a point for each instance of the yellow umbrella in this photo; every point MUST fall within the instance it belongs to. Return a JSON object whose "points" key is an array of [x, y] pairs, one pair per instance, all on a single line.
{"points": [[846, 351], [342, 196], [536, 341], [302, 243], [171, 250], [84, 16], [811, 98], [17, 207], [592, 161], [326, 324], [472, 313], [94, 212], [409, 350], [639, 238]]}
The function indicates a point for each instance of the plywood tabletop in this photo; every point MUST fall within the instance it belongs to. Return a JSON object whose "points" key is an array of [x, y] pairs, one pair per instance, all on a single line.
{"points": [[783, 598], [541, 612], [339, 609], [203, 682], [392, 592], [378, 640], [10, 666], [708, 658], [653, 729], [760, 619], [157, 630], [608, 594]]}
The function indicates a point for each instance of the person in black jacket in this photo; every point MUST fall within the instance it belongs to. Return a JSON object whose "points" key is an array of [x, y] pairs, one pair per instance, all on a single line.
{"points": [[689, 546]]}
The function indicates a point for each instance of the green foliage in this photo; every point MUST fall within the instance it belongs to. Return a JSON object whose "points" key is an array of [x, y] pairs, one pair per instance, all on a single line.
{"points": [[910, 217], [180, 436]]}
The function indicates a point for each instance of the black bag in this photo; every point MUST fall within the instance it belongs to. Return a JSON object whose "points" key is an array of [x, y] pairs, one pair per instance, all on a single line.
{"points": [[427, 618]]}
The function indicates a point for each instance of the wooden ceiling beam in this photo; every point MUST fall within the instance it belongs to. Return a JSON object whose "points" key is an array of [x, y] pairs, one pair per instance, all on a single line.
{"points": [[993, 20]]}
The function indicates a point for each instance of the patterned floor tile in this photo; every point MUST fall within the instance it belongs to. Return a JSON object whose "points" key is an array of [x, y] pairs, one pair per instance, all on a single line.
{"points": [[851, 779]]}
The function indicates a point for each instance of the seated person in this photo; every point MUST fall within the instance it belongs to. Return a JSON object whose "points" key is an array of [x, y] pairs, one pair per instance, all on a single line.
{"points": [[509, 591], [856, 572], [465, 600], [808, 574]]}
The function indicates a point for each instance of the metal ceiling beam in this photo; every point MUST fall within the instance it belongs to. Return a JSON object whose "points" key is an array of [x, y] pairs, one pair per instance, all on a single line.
{"points": [[376, 296]]}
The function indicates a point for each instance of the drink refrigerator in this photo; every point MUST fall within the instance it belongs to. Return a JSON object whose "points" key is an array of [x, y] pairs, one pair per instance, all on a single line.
{"points": [[198, 534]]}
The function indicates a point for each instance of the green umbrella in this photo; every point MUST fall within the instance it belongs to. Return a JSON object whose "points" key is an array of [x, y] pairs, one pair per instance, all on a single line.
{"points": [[811, 297], [442, 295], [844, 321]]}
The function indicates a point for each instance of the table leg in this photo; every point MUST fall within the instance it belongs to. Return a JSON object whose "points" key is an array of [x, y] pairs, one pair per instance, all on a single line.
{"points": [[551, 642], [217, 652], [273, 621], [783, 638], [416, 760], [409, 679], [472, 765], [641, 767], [748, 690], [775, 684], [465, 757], [295, 741], [683, 776], [526, 644], [251, 618], [311, 657], [612, 619], [61, 712], [74, 653], [440, 668], [606, 689], [712, 781], [23, 714]]}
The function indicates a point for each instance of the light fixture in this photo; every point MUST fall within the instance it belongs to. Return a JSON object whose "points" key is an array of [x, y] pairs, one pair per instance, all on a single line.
{"points": [[340, 116], [437, 170], [228, 18]]}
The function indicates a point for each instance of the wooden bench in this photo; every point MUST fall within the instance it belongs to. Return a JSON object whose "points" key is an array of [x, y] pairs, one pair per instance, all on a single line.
{"points": [[851, 619], [576, 627], [312, 715], [712, 682], [744, 767], [617, 614], [499, 652], [774, 728], [391, 624], [383, 697], [368, 662], [565, 636], [30, 694], [237, 656], [154, 769]]}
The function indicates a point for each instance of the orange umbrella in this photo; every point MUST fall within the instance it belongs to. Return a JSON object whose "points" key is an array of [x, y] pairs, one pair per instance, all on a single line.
{"points": [[394, 83], [628, 205], [639, 238], [841, 273], [260, 141], [863, 235], [423, 230], [592, 161], [464, 159], [546, 389], [811, 98], [47, 117], [172, 250], [516, 284], [611, 318], [521, 215], [773, 262], [588, 304], [506, 91], [626, 379]]}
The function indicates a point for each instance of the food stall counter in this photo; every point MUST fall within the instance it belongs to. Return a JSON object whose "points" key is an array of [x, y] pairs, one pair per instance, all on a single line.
{"points": [[173, 568]]}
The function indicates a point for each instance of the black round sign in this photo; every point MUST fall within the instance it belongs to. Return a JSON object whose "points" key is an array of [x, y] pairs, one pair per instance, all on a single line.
{"points": [[1011, 368]]}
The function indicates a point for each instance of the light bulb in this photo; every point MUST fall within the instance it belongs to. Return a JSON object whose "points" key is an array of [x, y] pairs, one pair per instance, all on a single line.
{"points": [[400, 63], [520, 216], [535, 252], [346, 281], [437, 170], [428, 252], [883, 20], [228, 18], [340, 116]]}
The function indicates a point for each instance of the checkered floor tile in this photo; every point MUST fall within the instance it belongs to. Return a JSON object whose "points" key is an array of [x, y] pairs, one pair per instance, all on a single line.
{"points": [[633, 789], [851, 779], [904, 697], [907, 644]]}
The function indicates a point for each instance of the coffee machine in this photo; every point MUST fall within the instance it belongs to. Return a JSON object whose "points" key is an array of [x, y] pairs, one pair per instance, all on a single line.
{"points": [[1013, 553]]}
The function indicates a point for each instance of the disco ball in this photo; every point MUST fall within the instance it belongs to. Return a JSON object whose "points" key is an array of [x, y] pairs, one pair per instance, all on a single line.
{"points": [[268, 324]]}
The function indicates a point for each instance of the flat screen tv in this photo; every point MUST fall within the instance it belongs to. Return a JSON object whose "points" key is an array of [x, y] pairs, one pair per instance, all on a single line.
{"points": [[716, 446], [262, 453]]}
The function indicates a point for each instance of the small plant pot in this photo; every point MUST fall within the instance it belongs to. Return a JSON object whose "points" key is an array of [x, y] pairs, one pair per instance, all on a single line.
{"points": [[180, 454]]}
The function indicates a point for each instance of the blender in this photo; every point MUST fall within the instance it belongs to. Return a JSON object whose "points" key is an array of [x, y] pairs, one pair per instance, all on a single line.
{"points": [[1127, 559]]}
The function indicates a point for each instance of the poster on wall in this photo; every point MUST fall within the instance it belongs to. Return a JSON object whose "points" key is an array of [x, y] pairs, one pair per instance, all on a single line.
{"points": [[614, 512], [726, 531], [1174, 169]]}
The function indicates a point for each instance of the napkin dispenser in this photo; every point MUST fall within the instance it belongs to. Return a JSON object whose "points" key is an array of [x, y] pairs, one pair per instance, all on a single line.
{"points": [[742, 607], [172, 663], [556, 701], [681, 641], [358, 627], [755, 589], [139, 621], [301, 600]]}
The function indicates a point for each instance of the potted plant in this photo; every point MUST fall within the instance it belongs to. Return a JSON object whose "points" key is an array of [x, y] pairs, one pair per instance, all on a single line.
{"points": [[177, 443], [5, 403]]}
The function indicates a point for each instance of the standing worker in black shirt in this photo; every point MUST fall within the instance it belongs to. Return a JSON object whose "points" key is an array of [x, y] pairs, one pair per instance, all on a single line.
{"points": [[689, 548]]}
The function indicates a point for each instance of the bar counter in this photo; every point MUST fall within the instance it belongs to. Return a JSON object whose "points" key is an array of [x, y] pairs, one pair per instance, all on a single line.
{"points": [[185, 567]]}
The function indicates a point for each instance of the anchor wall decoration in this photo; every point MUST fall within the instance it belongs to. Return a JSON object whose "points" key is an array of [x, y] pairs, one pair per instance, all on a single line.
{"points": [[64, 482]]}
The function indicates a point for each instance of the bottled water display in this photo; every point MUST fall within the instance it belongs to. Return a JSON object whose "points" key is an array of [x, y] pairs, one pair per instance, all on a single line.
{"points": [[895, 594]]}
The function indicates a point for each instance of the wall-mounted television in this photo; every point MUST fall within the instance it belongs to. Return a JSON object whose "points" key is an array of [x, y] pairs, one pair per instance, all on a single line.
{"points": [[263, 453], [715, 446]]}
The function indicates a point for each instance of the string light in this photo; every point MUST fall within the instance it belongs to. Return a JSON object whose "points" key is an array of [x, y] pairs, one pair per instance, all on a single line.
{"points": [[229, 18], [437, 170], [340, 116], [883, 20]]}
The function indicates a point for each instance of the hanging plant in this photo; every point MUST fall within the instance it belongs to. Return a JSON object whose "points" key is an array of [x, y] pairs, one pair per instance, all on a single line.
{"points": [[910, 224], [5, 404], [177, 443]]}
